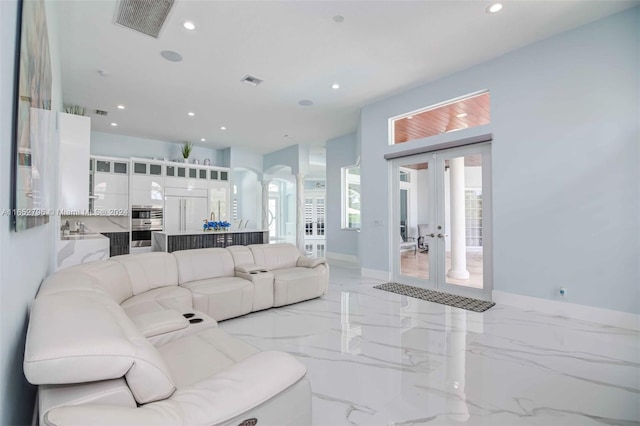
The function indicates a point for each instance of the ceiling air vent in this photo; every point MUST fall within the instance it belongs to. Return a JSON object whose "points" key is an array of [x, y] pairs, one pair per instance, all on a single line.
{"points": [[249, 79], [145, 16], [101, 112]]}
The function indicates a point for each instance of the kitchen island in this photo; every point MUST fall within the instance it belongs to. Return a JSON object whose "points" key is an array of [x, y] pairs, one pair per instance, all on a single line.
{"points": [[186, 240]]}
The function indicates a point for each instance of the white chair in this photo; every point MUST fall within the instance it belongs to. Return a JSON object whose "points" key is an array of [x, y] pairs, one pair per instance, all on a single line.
{"points": [[411, 243]]}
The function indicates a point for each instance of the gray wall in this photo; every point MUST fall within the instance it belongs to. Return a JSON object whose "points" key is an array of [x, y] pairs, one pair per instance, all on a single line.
{"points": [[26, 257], [564, 113], [342, 151], [114, 145]]}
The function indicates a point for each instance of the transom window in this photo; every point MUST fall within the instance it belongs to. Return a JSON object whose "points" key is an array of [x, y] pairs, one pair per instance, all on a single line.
{"points": [[461, 113]]}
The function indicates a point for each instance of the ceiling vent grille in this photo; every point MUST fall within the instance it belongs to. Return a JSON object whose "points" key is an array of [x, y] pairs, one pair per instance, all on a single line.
{"points": [[101, 112], [249, 79], [145, 16]]}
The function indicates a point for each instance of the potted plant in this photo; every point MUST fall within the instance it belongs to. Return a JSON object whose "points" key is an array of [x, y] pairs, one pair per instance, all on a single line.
{"points": [[186, 151]]}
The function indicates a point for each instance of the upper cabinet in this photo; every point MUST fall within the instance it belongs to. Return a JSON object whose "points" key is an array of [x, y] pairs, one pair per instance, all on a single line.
{"points": [[147, 183], [109, 186], [74, 132]]}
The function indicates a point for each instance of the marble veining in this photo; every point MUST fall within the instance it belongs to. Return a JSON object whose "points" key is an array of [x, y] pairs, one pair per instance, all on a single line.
{"points": [[378, 358]]}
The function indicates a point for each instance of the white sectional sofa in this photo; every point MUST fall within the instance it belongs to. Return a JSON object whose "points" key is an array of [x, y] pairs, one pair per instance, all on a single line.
{"points": [[134, 339]]}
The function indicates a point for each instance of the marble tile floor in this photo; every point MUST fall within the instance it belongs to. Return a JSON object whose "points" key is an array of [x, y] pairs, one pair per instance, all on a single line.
{"points": [[378, 358]]}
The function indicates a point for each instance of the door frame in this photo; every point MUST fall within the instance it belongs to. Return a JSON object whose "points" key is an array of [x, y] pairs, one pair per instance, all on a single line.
{"points": [[436, 196]]}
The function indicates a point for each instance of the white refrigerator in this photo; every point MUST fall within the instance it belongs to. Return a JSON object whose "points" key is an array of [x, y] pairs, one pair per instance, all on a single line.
{"points": [[185, 210]]}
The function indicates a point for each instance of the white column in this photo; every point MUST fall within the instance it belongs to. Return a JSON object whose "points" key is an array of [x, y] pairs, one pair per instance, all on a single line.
{"points": [[265, 205], [458, 239], [300, 212]]}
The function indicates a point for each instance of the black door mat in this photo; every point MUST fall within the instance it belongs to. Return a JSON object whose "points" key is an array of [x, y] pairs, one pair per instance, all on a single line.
{"points": [[462, 302]]}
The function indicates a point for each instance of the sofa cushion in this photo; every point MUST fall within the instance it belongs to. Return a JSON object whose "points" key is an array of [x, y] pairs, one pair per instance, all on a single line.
{"points": [[241, 255], [200, 264], [68, 280], [197, 357], [111, 275], [149, 270], [222, 298], [159, 299], [292, 285], [156, 323], [275, 256], [80, 336]]}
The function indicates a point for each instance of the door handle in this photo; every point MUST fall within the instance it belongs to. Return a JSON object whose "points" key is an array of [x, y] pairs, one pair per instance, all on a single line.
{"points": [[441, 236], [432, 235]]}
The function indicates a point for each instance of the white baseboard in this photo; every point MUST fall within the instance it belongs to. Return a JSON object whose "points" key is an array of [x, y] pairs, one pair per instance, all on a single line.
{"points": [[570, 310], [375, 273], [341, 256]]}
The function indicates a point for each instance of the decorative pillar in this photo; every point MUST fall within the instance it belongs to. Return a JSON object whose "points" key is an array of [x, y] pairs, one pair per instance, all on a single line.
{"points": [[300, 212], [265, 205], [458, 238]]}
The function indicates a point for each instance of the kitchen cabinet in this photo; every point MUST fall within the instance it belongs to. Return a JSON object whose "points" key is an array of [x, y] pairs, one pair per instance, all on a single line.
{"points": [[185, 209], [185, 176], [110, 186], [147, 183], [74, 133]]}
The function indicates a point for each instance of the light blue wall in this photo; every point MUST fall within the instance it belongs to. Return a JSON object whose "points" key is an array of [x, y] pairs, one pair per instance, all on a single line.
{"points": [[26, 257], [114, 145], [289, 156], [246, 158], [341, 152], [564, 115]]}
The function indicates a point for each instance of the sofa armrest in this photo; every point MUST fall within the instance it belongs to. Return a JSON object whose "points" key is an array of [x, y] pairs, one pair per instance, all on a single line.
{"points": [[310, 262], [247, 268], [212, 401], [159, 322]]}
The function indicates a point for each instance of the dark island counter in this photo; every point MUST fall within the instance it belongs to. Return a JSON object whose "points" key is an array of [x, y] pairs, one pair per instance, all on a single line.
{"points": [[174, 241]]}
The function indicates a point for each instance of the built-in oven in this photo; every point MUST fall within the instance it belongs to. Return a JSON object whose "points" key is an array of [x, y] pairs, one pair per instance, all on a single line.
{"points": [[144, 220]]}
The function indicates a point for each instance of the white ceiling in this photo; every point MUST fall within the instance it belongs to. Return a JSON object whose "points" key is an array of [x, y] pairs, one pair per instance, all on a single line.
{"points": [[381, 48]]}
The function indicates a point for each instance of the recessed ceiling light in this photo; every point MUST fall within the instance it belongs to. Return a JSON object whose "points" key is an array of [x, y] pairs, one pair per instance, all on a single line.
{"points": [[114, 124], [191, 114], [462, 115], [203, 140], [189, 25], [335, 86], [410, 117], [171, 56], [305, 102], [223, 128], [120, 106], [338, 19], [494, 8]]}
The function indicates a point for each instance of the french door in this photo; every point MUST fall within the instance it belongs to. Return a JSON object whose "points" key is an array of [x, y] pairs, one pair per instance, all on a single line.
{"points": [[314, 213], [442, 202]]}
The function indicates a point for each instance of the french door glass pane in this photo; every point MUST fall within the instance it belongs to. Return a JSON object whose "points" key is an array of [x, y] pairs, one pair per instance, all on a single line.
{"points": [[414, 207], [463, 221]]}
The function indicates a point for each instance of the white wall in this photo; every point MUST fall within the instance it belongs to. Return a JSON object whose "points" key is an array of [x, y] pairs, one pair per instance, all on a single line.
{"points": [[26, 257], [113, 145], [564, 114]]}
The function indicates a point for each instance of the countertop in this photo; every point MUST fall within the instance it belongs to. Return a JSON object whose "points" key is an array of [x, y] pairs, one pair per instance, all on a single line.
{"points": [[82, 237], [231, 231]]}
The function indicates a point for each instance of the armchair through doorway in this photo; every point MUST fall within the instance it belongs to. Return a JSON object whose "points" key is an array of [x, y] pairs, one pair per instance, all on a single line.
{"points": [[409, 244]]}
